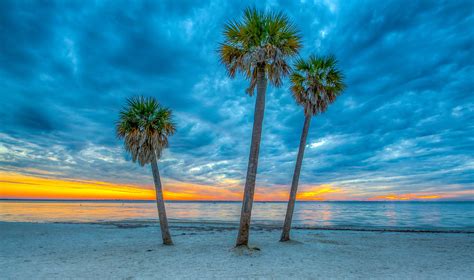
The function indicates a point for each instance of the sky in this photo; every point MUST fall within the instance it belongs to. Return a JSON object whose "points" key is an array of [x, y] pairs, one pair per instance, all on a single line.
{"points": [[402, 130]]}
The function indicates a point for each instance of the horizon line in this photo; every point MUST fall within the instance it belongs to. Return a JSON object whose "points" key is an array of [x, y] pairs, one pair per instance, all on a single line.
{"points": [[207, 201]]}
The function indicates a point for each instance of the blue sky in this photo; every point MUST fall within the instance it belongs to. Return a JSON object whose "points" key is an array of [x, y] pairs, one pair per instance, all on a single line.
{"points": [[405, 124]]}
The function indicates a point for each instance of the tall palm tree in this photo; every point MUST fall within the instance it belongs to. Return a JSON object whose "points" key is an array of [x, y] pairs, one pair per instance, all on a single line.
{"points": [[145, 126], [258, 47], [315, 85]]}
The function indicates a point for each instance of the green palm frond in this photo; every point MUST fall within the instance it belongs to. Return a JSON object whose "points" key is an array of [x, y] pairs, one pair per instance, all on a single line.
{"points": [[145, 126], [316, 83], [259, 41]]}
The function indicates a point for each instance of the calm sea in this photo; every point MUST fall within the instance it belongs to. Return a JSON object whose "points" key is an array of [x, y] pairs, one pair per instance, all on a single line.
{"points": [[385, 215]]}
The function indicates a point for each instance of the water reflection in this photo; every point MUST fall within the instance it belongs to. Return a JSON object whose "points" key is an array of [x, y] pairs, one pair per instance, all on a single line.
{"points": [[391, 214], [443, 215]]}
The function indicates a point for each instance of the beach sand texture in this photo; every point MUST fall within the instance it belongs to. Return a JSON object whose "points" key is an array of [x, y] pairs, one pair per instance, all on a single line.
{"points": [[134, 251]]}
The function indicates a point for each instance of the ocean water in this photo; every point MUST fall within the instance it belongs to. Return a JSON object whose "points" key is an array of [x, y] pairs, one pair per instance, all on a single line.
{"points": [[370, 215]]}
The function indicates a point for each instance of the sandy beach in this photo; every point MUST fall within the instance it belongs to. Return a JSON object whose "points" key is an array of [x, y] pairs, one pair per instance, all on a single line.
{"points": [[134, 251]]}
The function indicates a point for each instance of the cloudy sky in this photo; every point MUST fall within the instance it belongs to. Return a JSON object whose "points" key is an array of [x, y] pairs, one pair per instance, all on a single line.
{"points": [[403, 129]]}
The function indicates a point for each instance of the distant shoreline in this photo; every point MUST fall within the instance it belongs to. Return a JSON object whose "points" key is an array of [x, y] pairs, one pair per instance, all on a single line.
{"points": [[232, 201]]}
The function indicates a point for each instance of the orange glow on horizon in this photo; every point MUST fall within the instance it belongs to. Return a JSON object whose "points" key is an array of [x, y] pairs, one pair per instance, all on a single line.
{"points": [[19, 186], [423, 196], [14, 185], [408, 196], [323, 192], [305, 193]]}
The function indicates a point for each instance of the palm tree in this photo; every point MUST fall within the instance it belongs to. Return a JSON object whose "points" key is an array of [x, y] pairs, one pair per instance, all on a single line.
{"points": [[257, 46], [145, 126], [315, 85]]}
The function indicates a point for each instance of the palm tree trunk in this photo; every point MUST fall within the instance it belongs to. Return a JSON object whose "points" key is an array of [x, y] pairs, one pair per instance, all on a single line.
{"points": [[160, 204], [243, 236], [285, 235]]}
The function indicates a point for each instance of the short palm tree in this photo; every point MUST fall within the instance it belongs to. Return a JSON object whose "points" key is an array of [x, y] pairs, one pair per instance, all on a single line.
{"points": [[315, 85], [145, 126], [258, 47]]}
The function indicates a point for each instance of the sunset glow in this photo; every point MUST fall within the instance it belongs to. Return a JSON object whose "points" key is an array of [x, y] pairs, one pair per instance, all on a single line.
{"points": [[20, 186], [319, 193], [425, 196]]}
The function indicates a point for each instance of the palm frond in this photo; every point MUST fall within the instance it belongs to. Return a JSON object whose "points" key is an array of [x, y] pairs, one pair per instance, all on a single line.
{"points": [[259, 40], [144, 125], [316, 83]]}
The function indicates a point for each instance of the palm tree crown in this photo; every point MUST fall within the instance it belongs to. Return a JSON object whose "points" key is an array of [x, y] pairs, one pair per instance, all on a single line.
{"points": [[259, 40], [145, 126], [316, 83]]}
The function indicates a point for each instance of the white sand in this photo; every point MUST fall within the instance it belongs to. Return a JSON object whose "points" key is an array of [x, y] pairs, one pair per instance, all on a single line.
{"points": [[64, 251]]}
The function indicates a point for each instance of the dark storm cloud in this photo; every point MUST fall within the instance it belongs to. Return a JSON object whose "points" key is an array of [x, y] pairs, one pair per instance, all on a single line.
{"points": [[405, 122], [34, 119]]}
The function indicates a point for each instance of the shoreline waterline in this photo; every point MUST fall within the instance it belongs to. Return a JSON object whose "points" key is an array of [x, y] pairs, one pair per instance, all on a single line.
{"points": [[217, 225]]}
